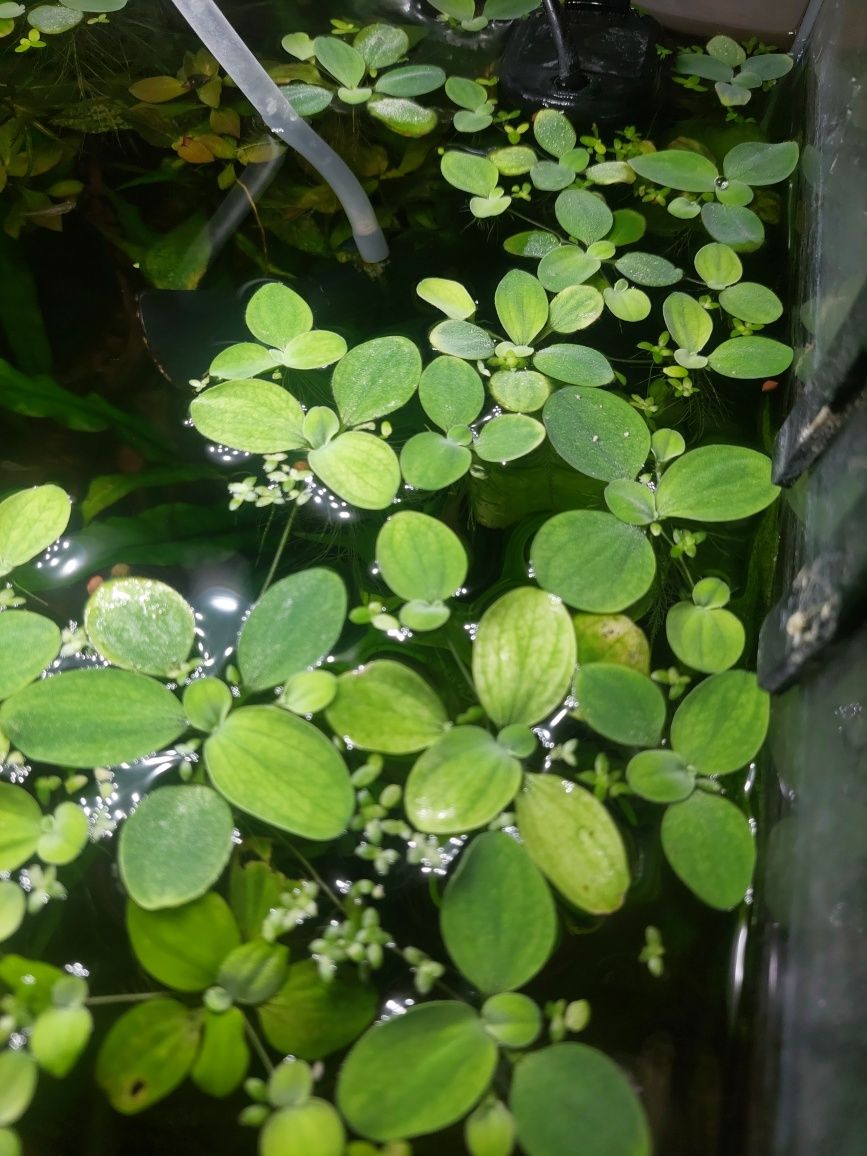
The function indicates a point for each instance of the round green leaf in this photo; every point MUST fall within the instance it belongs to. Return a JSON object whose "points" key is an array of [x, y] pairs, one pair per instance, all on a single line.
{"points": [[291, 628], [147, 1053], [224, 1056], [275, 314], [341, 60], [709, 640], [307, 99], [710, 847], [745, 358], [13, 902], [28, 643], [620, 703], [688, 322], [513, 1020], [402, 116], [140, 624], [522, 306], [498, 919], [751, 302], [573, 840], [648, 269], [471, 122], [64, 836], [253, 415], [629, 226], [375, 378], [381, 45], [450, 297], [597, 433], [681, 169], [174, 846], [461, 783], [18, 1078], [575, 307], [207, 701], [309, 1129], [721, 724], [386, 707], [244, 360], [611, 638], [451, 392], [574, 364], [52, 19], [282, 770], [551, 177], [309, 691], [29, 522], [592, 560], [183, 947], [469, 173], [626, 302], [718, 265], [92, 718], [489, 1130], [411, 80], [583, 215], [59, 1037], [253, 972], [519, 390], [20, 826], [554, 132], [314, 350], [523, 656], [462, 339], [683, 208], [416, 1073], [509, 436], [660, 776], [733, 225], [770, 65], [566, 265], [310, 1017], [631, 502], [466, 93], [571, 1099], [610, 173], [533, 243], [757, 163], [716, 484], [420, 557], [514, 160], [431, 462], [726, 50], [420, 615], [360, 468]]}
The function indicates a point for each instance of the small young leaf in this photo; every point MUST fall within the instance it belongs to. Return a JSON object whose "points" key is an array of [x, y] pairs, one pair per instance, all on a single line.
{"points": [[597, 433], [450, 297], [631, 502], [254, 972], [18, 1079], [420, 557], [59, 1036], [310, 1129], [66, 837], [709, 845], [386, 707], [688, 323], [513, 1020], [721, 724], [20, 826], [513, 161], [466, 93], [660, 776], [224, 1056], [718, 265], [431, 462]]}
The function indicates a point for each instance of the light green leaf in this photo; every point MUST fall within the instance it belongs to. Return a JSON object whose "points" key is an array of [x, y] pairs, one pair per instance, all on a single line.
{"points": [[660, 776], [310, 1018], [13, 902], [450, 297], [648, 269], [224, 1055], [498, 919], [92, 718], [360, 468], [513, 161], [53, 19], [462, 339], [626, 302], [631, 502], [381, 45], [466, 93], [611, 638], [575, 307], [30, 520], [512, 1019], [597, 433], [721, 724], [752, 302], [309, 691], [709, 845], [386, 707], [18, 1078], [244, 360], [620, 703], [583, 215], [733, 225], [419, 557], [592, 561], [725, 49], [523, 656], [611, 173], [489, 1130], [532, 243], [756, 163], [574, 364], [707, 639], [573, 840], [519, 390], [59, 1036], [402, 116], [770, 65], [716, 484], [751, 357], [509, 436], [461, 783], [140, 624], [469, 173], [571, 1098], [174, 846], [451, 392], [147, 1053], [20, 826], [95, 5], [28, 643], [680, 169], [683, 208], [282, 770], [65, 835], [431, 462], [375, 378], [411, 80], [566, 265], [629, 226], [293, 625], [667, 444], [314, 350], [734, 193], [312, 1128], [183, 947], [416, 1073], [254, 415], [553, 132], [718, 265], [688, 322], [699, 64], [522, 306], [344, 63], [307, 99], [275, 314], [254, 972], [551, 177]]}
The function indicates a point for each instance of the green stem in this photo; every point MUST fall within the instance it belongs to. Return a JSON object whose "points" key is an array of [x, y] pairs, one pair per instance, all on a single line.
{"points": [[281, 546], [129, 997], [258, 1046]]}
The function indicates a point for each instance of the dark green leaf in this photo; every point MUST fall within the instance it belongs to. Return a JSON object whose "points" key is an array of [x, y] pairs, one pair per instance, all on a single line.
{"points": [[710, 847], [310, 1017], [183, 947], [721, 724], [597, 433], [620, 703], [147, 1053]]}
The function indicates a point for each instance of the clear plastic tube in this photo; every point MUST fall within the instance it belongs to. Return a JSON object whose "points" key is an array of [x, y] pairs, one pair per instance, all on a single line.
{"points": [[226, 46]]}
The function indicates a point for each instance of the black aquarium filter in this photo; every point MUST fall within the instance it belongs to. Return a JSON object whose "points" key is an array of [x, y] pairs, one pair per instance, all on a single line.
{"points": [[595, 60]]}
